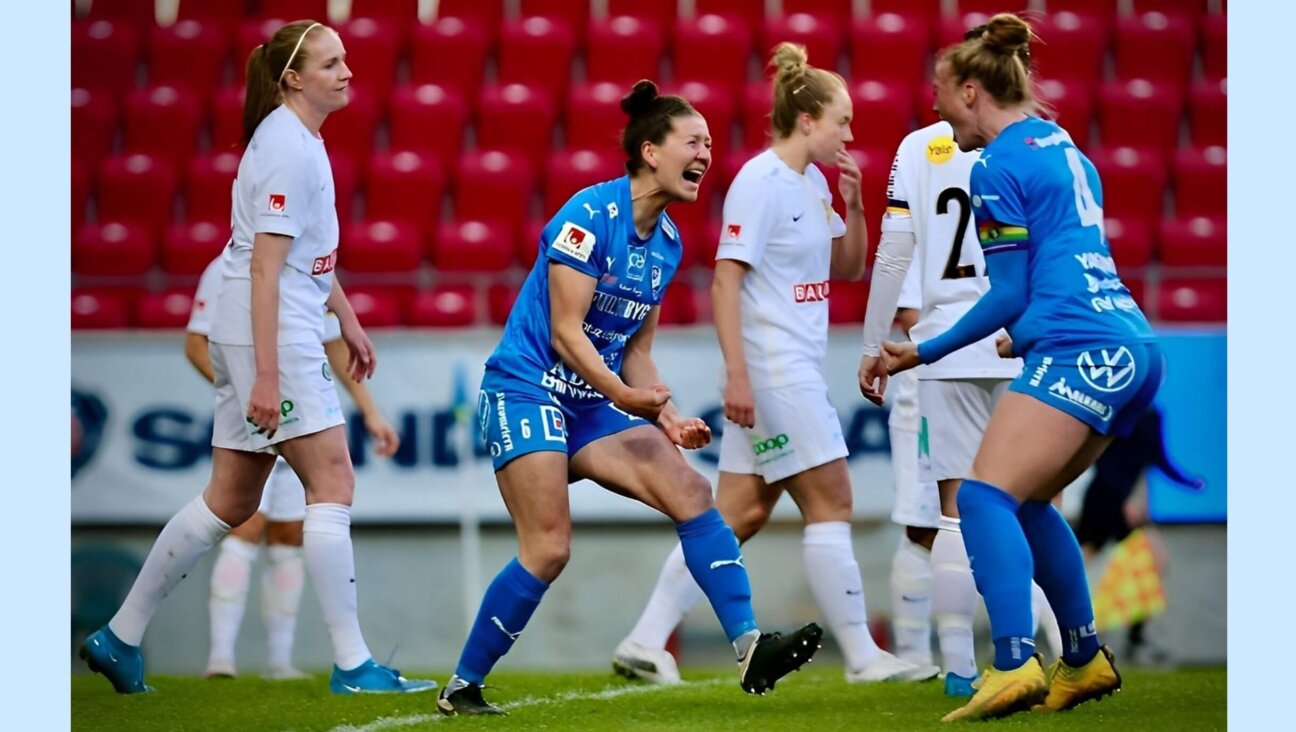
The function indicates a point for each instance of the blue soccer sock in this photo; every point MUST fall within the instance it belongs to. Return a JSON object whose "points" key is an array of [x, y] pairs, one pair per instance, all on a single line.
{"points": [[713, 558], [1060, 572], [1002, 567], [508, 604]]}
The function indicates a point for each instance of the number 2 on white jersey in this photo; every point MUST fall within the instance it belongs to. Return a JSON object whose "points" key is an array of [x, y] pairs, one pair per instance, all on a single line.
{"points": [[954, 270], [1091, 214]]}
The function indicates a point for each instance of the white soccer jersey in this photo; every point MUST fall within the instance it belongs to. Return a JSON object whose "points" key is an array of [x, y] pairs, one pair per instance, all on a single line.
{"points": [[782, 224], [284, 186], [928, 195], [203, 311]]}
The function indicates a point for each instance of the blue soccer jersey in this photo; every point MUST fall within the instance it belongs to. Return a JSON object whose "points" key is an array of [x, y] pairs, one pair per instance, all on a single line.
{"points": [[592, 233], [1033, 190]]}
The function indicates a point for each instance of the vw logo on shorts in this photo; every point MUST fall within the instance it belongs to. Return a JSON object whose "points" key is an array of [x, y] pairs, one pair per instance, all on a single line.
{"points": [[1107, 370]]}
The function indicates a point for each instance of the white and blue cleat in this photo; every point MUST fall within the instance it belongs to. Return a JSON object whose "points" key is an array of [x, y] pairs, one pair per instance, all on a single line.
{"points": [[120, 663], [372, 677], [960, 686]]}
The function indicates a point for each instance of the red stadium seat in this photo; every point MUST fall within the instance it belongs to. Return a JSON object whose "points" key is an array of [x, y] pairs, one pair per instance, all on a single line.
{"points": [[380, 307], [1071, 47], [1208, 112], [847, 301], [1140, 113], [227, 119], [163, 120], [445, 306], [378, 245], [1103, 10], [80, 193], [990, 7], [94, 124], [569, 171], [252, 33], [1072, 103], [679, 305], [138, 188], [167, 309], [373, 46], [138, 15], [593, 116], [1201, 181], [757, 132], [712, 48], [345, 182], [529, 246], [928, 10], [1188, 8], [623, 49], [882, 112], [516, 117], [716, 102], [494, 185], [1155, 46], [575, 14], [113, 248], [820, 34], [1214, 45], [190, 55], [104, 55], [450, 52], [473, 246], [1133, 182], [499, 302], [688, 231], [486, 13], [405, 186], [951, 28], [351, 129], [750, 14], [101, 308], [1199, 241], [316, 10], [399, 12], [891, 45], [429, 118], [924, 98], [209, 182], [1132, 241], [538, 51], [189, 247], [1193, 301], [225, 13], [837, 11]]}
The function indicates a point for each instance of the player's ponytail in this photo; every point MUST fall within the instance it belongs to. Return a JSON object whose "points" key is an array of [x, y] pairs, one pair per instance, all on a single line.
{"points": [[650, 116], [266, 66], [799, 88], [997, 55]]}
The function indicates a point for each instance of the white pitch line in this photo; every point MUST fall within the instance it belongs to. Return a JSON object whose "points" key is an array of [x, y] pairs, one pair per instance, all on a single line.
{"points": [[612, 692]]}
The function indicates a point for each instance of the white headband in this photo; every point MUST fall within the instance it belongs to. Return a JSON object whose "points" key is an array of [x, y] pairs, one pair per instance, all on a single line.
{"points": [[296, 48]]}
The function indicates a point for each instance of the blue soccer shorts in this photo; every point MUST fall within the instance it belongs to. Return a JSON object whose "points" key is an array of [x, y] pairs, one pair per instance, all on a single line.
{"points": [[519, 422], [1107, 388]]}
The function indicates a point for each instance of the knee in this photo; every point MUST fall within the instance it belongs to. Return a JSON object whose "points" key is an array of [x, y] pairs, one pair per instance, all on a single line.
{"points": [[749, 520], [829, 504], [691, 494], [334, 483], [547, 556]]}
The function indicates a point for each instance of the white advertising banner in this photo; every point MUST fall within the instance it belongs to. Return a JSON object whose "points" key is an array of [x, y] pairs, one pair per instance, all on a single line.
{"points": [[148, 414]]}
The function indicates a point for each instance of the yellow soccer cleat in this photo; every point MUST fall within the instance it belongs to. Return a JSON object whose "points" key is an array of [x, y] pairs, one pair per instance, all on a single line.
{"points": [[1000, 693], [1070, 686]]}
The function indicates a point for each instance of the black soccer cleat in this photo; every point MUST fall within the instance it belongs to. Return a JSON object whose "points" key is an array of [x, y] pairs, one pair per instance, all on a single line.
{"points": [[775, 655], [460, 697]]}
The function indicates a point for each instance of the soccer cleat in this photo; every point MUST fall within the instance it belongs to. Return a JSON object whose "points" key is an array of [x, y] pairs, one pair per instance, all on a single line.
{"points": [[120, 663], [1070, 686], [286, 673], [888, 667], [461, 697], [960, 686], [1000, 693], [654, 665], [220, 668], [372, 677], [775, 655]]}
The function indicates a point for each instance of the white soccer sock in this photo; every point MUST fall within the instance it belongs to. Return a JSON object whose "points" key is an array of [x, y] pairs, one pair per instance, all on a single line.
{"points": [[281, 591], [231, 574], [911, 601], [1045, 620], [834, 578], [331, 564], [954, 600], [674, 596], [187, 536]]}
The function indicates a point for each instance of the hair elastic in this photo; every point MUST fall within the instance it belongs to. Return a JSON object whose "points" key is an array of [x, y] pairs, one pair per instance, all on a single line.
{"points": [[296, 48]]}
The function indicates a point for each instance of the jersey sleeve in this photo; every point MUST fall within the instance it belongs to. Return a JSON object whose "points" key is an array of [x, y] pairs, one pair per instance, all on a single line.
{"points": [[999, 206], [911, 290], [750, 210], [202, 313], [898, 217], [577, 235], [286, 179]]}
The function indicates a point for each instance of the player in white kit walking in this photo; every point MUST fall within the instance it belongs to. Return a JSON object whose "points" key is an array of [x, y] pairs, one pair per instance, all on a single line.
{"points": [[278, 519], [272, 394], [781, 243]]}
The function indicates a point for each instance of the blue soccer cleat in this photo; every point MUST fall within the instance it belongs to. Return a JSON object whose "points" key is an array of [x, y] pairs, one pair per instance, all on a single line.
{"points": [[960, 686], [372, 677], [120, 663]]}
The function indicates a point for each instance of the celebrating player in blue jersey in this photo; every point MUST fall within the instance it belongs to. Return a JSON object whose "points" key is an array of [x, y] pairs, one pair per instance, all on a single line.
{"points": [[572, 392], [1091, 368]]}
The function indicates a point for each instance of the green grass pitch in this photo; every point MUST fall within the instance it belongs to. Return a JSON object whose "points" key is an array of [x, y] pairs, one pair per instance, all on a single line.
{"points": [[817, 699]]}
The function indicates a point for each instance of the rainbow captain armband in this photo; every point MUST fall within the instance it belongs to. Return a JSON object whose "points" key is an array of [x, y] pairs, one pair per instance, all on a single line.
{"points": [[997, 237]]}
